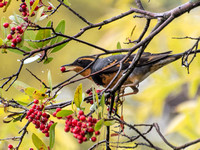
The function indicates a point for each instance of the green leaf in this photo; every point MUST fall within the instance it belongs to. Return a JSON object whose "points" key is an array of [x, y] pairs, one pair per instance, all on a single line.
{"points": [[30, 35], [59, 29], [20, 85], [119, 45], [57, 48], [15, 51], [52, 135], [50, 80], [102, 103], [48, 60], [98, 125], [109, 123], [25, 48], [78, 96], [3, 20], [34, 5], [19, 45], [39, 13], [38, 142], [17, 19], [67, 2], [43, 34], [64, 113]]}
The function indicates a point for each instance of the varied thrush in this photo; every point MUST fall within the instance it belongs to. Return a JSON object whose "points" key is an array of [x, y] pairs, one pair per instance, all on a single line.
{"points": [[147, 64]]}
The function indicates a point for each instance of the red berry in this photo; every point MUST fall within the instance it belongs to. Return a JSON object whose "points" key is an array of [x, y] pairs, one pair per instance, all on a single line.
{"points": [[50, 7], [93, 139], [30, 119], [67, 128], [36, 101], [82, 118], [58, 109], [98, 91], [33, 14], [45, 130], [28, 113], [26, 18], [31, 110], [47, 134], [24, 14], [84, 139], [14, 41], [80, 141], [13, 44], [81, 112], [13, 28], [42, 126], [69, 117], [94, 120], [90, 130], [6, 25], [44, 114], [21, 31], [34, 106], [82, 133], [5, 3], [54, 114], [91, 102], [97, 132], [74, 122], [39, 113], [23, 6], [90, 124], [30, 148], [36, 8], [32, 115], [79, 124], [18, 28], [9, 37], [1, 5], [80, 137], [62, 69], [89, 119], [84, 125], [10, 146], [31, 2]]}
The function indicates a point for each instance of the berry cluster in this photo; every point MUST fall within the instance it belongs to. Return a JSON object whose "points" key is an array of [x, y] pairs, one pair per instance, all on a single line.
{"points": [[15, 34], [39, 118], [82, 128], [25, 11], [89, 92], [2, 4]]}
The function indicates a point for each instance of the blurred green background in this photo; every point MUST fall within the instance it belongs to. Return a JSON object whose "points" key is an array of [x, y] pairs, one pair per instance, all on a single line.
{"points": [[169, 96]]}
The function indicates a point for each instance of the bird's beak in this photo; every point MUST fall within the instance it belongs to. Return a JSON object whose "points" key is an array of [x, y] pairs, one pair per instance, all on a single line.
{"points": [[71, 67]]}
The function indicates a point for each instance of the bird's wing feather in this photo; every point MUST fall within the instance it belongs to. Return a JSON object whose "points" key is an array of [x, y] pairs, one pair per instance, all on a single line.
{"points": [[146, 59]]}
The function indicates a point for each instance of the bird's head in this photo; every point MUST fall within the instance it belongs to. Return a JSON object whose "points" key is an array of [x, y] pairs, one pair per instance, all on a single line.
{"points": [[79, 64]]}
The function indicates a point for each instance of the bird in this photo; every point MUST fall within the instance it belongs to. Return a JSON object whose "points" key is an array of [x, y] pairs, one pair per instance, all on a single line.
{"points": [[103, 70]]}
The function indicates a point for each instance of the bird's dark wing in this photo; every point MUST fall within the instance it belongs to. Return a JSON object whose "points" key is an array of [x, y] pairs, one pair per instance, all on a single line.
{"points": [[146, 59]]}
